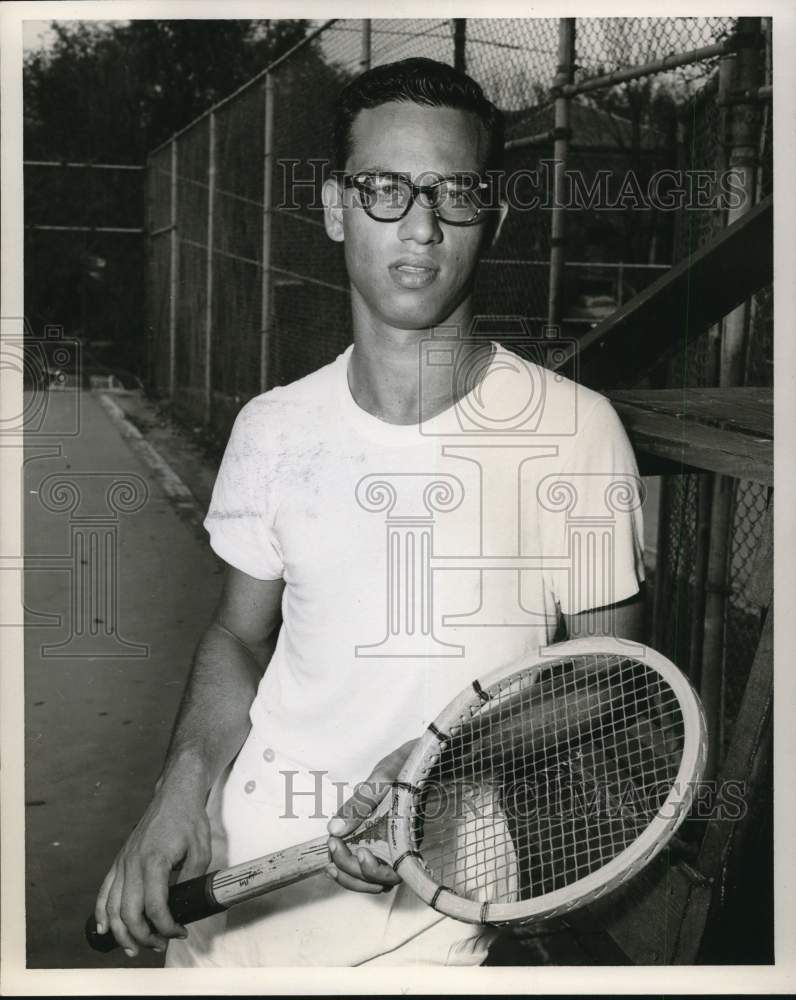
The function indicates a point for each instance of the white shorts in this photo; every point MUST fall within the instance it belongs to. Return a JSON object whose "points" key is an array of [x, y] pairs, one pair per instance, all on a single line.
{"points": [[314, 922]]}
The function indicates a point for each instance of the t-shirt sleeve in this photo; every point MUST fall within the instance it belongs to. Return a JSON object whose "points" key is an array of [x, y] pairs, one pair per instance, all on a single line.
{"points": [[591, 517], [240, 520]]}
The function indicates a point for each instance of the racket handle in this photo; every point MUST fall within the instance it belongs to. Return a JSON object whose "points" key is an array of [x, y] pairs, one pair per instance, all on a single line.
{"points": [[188, 901]]}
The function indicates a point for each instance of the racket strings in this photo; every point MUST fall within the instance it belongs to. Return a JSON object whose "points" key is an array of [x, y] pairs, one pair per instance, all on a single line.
{"points": [[554, 775]]}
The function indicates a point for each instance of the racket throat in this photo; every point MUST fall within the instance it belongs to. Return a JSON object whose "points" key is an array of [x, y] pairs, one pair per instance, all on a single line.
{"points": [[373, 837]]}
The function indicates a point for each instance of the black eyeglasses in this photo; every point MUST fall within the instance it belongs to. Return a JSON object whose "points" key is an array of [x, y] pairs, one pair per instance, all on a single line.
{"points": [[387, 197]]}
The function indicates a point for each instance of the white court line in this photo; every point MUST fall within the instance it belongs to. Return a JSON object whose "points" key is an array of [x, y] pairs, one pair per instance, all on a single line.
{"points": [[174, 488]]}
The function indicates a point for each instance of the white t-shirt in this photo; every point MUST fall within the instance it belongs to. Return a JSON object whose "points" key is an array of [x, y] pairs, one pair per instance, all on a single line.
{"points": [[417, 557]]}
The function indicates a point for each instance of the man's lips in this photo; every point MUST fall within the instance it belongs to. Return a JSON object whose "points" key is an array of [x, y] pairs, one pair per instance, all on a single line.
{"points": [[415, 263], [413, 272]]}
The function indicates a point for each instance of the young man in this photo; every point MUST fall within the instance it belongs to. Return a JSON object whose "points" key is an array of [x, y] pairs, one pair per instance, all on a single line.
{"points": [[460, 448]]}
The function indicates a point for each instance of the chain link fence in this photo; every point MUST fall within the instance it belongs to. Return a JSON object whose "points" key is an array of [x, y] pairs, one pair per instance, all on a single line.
{"points": [[269, 302], [613, 251]]}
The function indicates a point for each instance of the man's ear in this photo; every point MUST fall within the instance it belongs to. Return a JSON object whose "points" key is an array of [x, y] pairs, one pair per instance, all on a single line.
{"points": [[503, 211], [333, 209]]}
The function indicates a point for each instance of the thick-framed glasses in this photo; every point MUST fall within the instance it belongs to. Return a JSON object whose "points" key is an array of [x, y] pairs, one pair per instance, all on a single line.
{"points": [[387, 197]]}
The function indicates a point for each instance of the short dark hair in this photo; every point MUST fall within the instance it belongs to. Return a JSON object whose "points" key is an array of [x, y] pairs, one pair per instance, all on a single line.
{"points": [[420, 81]]}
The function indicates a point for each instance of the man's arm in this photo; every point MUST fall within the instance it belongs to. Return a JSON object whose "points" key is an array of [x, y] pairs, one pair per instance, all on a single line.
{"points": [[624, 619], [212, 725]]}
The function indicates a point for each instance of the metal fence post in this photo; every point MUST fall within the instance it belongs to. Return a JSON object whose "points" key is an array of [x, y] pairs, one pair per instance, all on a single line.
{"points": [[459, 43], [267, 235], [741, 77], [367, 30], [561, 134], [151, 333], [173, 272], [211, 197]]}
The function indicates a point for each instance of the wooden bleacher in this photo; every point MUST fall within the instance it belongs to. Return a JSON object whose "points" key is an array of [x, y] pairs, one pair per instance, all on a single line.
{"points": [[729, 431]]}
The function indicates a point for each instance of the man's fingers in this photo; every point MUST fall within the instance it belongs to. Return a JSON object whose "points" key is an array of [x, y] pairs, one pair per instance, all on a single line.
{"points": [[346, 872], [367, 796], [374, 870], [359, 806], [361, 868], [139, 928], [356, 884], [116, 924], [362, 872], [131, 908], [100, 907], [343, 858], [156, 879], [369, 793]]}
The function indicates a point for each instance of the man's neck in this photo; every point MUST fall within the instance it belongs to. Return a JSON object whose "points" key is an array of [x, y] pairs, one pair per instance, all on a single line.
{"points": [[390, 377]]}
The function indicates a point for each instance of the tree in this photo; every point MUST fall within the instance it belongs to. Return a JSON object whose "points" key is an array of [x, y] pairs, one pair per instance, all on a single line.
{"points": [[108, 92], [113, 90]]}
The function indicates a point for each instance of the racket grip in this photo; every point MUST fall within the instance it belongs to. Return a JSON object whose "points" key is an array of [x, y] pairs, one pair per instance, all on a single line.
{"points": [[188, 901]]}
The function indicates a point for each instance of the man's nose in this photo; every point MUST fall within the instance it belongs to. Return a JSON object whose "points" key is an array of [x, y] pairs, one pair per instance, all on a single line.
{"points": [[420, 225]]}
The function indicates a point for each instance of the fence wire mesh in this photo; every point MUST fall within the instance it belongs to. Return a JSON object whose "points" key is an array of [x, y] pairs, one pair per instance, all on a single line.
{"points": [[309, 288], [237, 258], [607, 44], [403, 38], [515, 63], [228, 343]]}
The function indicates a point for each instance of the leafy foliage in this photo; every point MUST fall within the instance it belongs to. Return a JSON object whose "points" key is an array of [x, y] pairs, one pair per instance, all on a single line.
{"points": [[111, 91]]}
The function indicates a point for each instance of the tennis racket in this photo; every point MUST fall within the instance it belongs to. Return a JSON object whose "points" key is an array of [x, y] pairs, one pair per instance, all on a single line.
{"points": [[540, 788]]}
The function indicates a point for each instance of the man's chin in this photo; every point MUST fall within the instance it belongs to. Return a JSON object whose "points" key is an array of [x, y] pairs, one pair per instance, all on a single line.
{"points": [[419, 316], [413, 326]]}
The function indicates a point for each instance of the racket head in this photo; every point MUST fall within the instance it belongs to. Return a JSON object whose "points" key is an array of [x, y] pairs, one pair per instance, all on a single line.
{"points": [[476, 863]]}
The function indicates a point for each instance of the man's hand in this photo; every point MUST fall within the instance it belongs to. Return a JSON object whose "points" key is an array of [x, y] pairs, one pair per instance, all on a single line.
{"points": [[212, 726], [361, 871], [132, 902]]}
